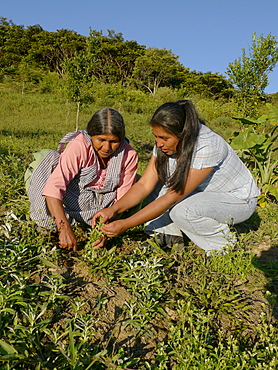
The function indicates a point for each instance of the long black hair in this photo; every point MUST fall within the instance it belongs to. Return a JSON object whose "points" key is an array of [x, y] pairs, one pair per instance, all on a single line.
{"points": [[107, 121], [179, 119]]}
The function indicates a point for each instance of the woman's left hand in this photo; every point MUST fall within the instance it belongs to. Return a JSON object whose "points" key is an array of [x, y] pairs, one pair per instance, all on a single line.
{"points": [[114, 228], [99, 243]]}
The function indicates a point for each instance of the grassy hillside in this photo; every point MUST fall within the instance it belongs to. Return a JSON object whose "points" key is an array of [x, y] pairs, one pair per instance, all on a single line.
{"points": [[126, 307]]}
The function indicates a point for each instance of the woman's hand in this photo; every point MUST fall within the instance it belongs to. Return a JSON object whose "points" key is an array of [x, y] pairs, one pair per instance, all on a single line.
{"points": [[99, 243], [104, 215], [67, 239], [114, 228]]}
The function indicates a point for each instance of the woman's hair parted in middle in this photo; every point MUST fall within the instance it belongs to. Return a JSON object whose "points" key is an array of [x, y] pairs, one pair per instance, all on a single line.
{"points": [[107, 121], [179, 119]]}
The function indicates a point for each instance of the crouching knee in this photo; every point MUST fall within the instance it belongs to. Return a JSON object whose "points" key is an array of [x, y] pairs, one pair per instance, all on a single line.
{"points": [[179, 215]]}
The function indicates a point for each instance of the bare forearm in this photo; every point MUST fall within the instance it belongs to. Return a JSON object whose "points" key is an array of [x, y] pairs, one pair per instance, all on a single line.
{"points": [[134, 196], [67, 238], [56, 209], [168, 200], [152, 210], [158, 206]]}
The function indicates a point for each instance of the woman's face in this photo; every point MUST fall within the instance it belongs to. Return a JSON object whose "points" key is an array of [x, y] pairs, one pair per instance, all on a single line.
{"points": [[165, 141], [105, 145]]}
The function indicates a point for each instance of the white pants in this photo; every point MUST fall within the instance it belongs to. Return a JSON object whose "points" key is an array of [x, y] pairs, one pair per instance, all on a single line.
{"points": [[204, 217]]}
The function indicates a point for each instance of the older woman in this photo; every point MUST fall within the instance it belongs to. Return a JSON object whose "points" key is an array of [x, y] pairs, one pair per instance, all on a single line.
{"points": [[95, 170]]}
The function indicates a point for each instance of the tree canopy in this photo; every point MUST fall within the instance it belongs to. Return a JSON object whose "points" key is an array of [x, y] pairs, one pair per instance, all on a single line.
{"points": [[29, 54], [157, 67], [250, 72]]}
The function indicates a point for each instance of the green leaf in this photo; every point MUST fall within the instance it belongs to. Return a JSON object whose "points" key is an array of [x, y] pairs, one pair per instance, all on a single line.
{"points": [[48, 263], [246, 120], [248, 139], [7, 347], [9, 310]]}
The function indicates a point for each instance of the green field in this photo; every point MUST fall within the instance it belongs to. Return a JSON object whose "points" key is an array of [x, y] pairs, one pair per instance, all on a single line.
{"points": [[128, 307]]}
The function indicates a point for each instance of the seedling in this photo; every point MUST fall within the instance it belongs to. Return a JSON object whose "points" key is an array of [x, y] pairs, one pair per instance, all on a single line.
{"points": [[94, 234]]}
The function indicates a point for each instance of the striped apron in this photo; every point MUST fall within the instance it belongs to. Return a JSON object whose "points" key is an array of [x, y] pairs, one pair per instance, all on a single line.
{"points": [[80, 201]]}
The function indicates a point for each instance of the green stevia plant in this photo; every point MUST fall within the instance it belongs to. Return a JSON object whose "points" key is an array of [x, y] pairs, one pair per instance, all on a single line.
{"points": [[145, 279], [93, 235]]}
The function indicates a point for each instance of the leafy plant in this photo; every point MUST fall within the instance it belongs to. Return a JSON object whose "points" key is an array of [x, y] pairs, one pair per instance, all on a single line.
{"points": [[93, 235], [258, 151], [145, 277], [249, 73]]}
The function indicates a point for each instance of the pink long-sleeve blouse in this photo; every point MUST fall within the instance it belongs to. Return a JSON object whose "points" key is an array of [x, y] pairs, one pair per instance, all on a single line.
{"points": [[80, 154]]}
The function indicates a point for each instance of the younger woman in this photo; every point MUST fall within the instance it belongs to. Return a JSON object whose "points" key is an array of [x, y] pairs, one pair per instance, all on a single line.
{"points": [[198, 183], [94, 171]]}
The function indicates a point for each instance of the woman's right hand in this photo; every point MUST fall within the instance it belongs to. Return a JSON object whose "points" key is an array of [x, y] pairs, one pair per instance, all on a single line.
{"points": [[104, 215], [99, 243], [67, 239]]}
